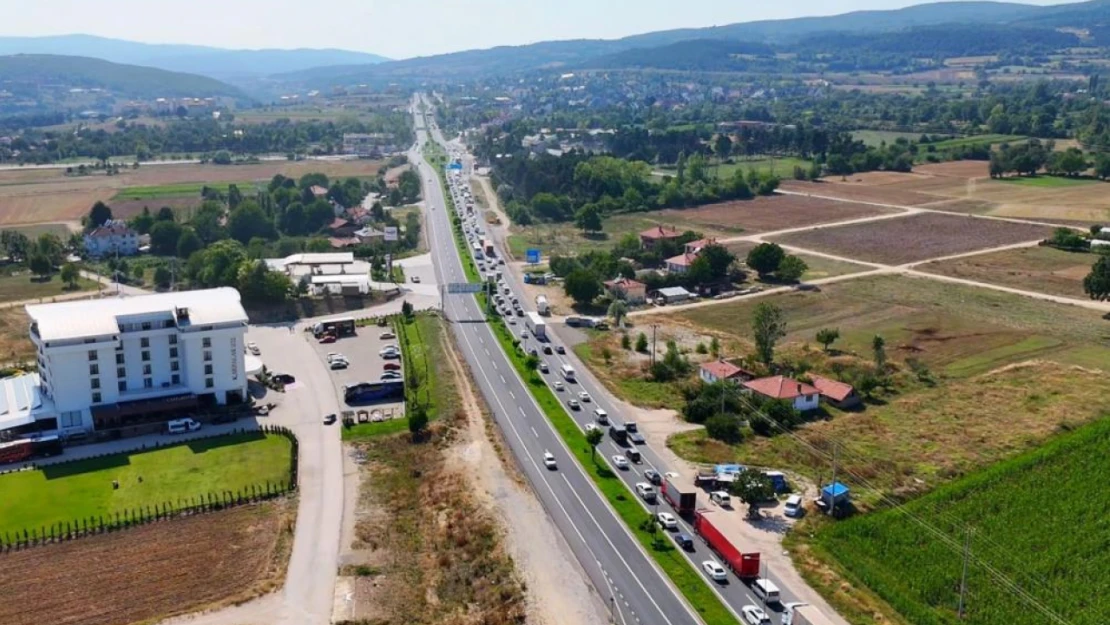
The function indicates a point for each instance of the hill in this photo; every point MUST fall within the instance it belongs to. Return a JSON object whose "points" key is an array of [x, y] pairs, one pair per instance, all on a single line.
{"points": [[29, 74], [216, 63]]}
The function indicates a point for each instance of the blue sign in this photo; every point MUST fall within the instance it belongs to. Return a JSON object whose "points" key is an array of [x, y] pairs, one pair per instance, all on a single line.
{"points": [[465, 287], [532, 255], [456, 165]]}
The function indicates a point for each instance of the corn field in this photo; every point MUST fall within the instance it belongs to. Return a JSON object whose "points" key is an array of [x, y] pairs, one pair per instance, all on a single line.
{"points": [[1039, 541]]}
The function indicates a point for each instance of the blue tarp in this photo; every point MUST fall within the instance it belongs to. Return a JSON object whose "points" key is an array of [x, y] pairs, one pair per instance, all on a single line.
{"points": [[728, 468], [836, 490]]}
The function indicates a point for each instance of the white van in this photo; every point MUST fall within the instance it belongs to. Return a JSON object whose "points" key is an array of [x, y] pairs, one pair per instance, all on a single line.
{"points": [[793, 507], [601, 416], [766, 590], [721, 498], [181, 426]]}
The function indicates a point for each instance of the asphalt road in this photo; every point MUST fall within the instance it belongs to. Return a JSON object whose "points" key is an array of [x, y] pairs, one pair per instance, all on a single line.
{"points": [[627, 580], [734, 593]]}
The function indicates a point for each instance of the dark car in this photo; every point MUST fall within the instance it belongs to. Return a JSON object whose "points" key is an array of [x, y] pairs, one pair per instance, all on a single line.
{"points": [[284, 378], [635, 437], [560, 349], [653, 477], [329, 419], [547, 349], [631, 426], [684, 541]]}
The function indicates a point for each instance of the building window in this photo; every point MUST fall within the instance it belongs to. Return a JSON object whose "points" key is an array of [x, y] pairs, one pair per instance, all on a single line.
{"points": [[95, 382], [174, 366], [173, 339], [96, 398], [119, 359], [146, 356], [70, 418], [122, 385], [175, 379], [92, 355], [144, 342], [146, 369], [146, 325], [207, 356], [208, 383], [121, 372], [148, 382], [173, 352], [206, 342], [94, 369], [207, 369]]}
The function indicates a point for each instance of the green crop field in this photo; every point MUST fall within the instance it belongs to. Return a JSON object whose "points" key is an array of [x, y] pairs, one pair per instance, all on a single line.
{"points": [[83, 489], [976, 140], [1038, 519], [1048, 181], [175, 190]]}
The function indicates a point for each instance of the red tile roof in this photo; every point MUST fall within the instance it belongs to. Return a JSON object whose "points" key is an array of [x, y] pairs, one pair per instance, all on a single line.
{"points": [[625, 283], [340, 243], [339, 223], [833, 389], [721, 369], [682, 260], [318, 191], [780, 387], [659, 232], [700, 243]]}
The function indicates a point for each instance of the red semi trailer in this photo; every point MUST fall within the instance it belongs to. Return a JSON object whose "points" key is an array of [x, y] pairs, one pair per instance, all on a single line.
{"points": [[745, 565], [681, 495]]}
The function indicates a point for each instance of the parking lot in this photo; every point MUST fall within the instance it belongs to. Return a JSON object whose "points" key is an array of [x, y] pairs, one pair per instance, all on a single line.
{"points": [[365, 365]]}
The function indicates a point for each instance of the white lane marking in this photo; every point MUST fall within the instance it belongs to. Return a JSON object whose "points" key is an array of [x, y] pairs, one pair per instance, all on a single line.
{"points": [[502, 379], [534, 432], [512, 394]]}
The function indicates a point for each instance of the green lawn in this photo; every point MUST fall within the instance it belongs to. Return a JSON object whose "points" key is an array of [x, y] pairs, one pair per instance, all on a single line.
{"points": [[34, 231], [1047, 181], [877, 137], [783, 167], [83, 489], [179, 189], [960, 142], [18, 287]]}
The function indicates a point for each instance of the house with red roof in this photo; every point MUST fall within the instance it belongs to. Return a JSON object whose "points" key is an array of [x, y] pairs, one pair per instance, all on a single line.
{"points": [[318, 191], [651, 236], [680, 264], [801, 395], [342, 228], [631, 291], [718, 370], [835, 392]]}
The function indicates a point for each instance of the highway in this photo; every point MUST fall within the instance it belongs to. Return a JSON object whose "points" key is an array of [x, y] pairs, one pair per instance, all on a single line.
{"points": [[734, 593]]}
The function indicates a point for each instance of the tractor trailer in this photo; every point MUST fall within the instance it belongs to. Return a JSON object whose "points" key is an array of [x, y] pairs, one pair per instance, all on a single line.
{"points": [[745, 565], [682, 497], [542, 306], [536, 325], [803, 614]]}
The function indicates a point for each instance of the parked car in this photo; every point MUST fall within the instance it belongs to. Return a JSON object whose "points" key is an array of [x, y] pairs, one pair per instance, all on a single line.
{"points": [[620, 462], [714, 570], [327, 338], [667, 520], [721, 498], [252, 347], [392, 366], [329, 419], [391, 375], [388, 334], [338, 364], [793, 507], [284, 378], [416, 279]]}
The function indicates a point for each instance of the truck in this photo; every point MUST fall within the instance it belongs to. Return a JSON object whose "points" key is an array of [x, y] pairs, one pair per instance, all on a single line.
{"points": [[803, 614], [487, 247], [682, 497], [535, 325], [619, 434], [744, 565], [30, 448], [567, 372], [542, 306], [344, 326]]}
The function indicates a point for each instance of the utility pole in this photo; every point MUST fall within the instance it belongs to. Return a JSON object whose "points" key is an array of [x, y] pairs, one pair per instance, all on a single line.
{"points": [[963, 576], [653, 327], [832, 485]]}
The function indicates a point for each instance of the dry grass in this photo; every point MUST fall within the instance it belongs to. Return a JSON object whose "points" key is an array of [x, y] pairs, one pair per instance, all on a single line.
{"points": [[819, 266], [150, 572], [15, 345], [914, 238], [1043, 269], [861, 188], [777, 212], [956, 169]]}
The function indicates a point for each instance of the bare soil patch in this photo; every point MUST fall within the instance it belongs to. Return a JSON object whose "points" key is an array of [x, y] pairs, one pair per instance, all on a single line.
{"points": [[859, 188], [777, 212], [149, 572], [914, 238], [1042, 269], [956, 169]]}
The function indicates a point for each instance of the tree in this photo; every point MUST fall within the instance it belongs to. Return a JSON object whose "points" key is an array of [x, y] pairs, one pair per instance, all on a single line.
{"points": [[16, 245], [588, 218], [719, 259], [162, 277], [406, 309], [768, 326], [617, 310], [752, 488], [837, 165], [593, 437], [626, 342], [722, 146], [248, 221], [99, 214], [765, 258], [234, 196], [582, 286], [715, 347], [70, 274], [164, 237], [532, 362], [791, 269], [188, 243], [1097, 283], [40, 264], [418, 421], [143, 222], [827, 336], [724, 428], [223, 157], [166, 214], [878, 349], [1102, 166], [641, 343]]}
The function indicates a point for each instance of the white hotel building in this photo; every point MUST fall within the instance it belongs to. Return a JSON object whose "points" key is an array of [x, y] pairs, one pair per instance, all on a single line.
{"points": [[121, 361]]}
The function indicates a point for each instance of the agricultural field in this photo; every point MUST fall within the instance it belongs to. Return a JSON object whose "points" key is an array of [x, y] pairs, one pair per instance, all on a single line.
{"points": [[782, 167], [16, 287], [819, 266], [878, 137], [1024, 514], [960, 142], [860, 188], [151, 572], [914, 238], [1043, 269], [83, 488], [1049, 182]]}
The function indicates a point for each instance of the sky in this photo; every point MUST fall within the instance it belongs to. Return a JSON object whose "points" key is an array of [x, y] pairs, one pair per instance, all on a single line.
{"points": [[395, 28]]}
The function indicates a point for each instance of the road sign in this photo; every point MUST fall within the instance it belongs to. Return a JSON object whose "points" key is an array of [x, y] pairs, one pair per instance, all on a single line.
{"points": [[532, 255], [391, 233], [456, 165], [465, 287]]}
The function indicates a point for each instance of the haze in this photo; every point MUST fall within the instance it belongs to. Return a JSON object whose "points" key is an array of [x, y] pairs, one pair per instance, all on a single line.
{"points": [[391, 28]]}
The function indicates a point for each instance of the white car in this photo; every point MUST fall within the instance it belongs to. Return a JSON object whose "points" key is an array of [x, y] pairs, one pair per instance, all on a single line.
{"points": [[549, 460], [558, 385], [584, 396], [645, 491], [715, 571], [252, 347], [389, 353], [754, 615], [591, 427], [620, 462], [667, 520], [388, 334]]}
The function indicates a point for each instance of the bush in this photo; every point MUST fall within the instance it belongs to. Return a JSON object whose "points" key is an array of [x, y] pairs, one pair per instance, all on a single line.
{"points": [[724, 428], [641, 343], [626, 342], [701, 349]]}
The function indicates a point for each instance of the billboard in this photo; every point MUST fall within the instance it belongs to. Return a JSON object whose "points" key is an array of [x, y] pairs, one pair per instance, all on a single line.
{"points": [[532, 255], [391, 233]]}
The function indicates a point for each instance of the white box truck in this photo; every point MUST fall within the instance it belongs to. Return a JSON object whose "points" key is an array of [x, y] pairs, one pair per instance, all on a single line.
{"points": [[536, 325], [803, 614], [542, 306], [766, 590]]}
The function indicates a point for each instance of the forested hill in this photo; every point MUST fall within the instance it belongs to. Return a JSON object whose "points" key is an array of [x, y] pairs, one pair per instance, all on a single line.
{"points": [[23, 72]]}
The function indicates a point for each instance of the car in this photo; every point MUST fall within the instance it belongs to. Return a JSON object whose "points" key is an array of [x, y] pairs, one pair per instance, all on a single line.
{"points": [[329, 419], [590, 427], [391, 347], [635, 437], [338, 364], [559, 349], [500, 261], [416, 279], [558, 385], [714, 570], [667, 520], [252, 347], [583, 396], [544, 368], [519, 312], [284, 378], [684, 541], [721, 498], [547, 349], [631, 426], [389, 351], [573, 403], [620, 462], [327, 338], [754, 615], [512, 320], [391, 375], [549, 460], [387, 335], [645, 491], [653, 476], [392, 366], [524, 334], [793, 507]]}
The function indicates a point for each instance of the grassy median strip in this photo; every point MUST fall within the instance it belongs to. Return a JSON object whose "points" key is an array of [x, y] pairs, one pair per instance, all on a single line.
{"points": [[685, 577]]}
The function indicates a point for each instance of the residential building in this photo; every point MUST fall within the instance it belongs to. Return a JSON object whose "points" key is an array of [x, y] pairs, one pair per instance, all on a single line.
{"points": [[340, 227], [719, 370], [680, 264], [651, 236], [318, 191], [631, 291], [835, 392], [802, 396], [367, 144], [113, 238], [123, 361], [695, 247], [673, 294]]}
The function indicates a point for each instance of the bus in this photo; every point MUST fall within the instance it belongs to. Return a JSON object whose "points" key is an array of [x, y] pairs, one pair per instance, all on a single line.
{"points": [[568, 372], [344, 326]]}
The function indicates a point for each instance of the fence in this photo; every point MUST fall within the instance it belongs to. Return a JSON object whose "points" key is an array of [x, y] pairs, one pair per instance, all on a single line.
{"points": [[143, 515]]}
